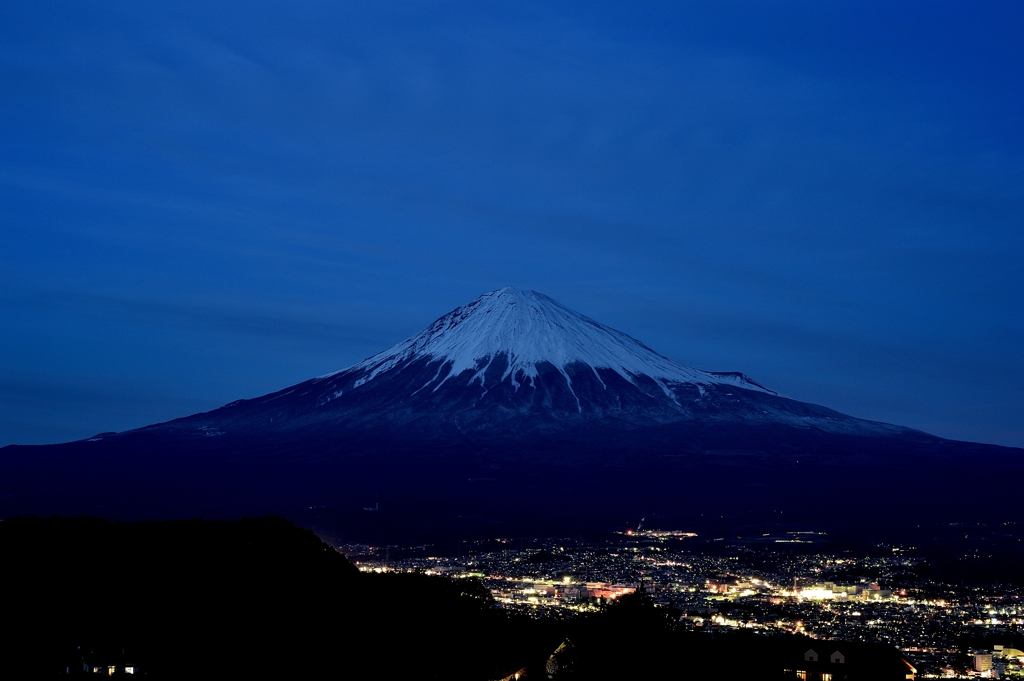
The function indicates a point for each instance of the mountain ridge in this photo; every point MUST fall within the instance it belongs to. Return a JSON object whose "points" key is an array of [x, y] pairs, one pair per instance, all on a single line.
{"points": [[529, 328], [511, 355], [511, 397]]}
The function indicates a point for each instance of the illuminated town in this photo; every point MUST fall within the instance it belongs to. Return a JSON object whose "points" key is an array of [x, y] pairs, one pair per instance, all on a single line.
{"points": [[777, 584]]}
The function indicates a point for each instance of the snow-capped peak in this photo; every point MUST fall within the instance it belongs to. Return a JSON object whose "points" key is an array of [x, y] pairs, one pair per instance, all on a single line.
{"points": [[528, 329]]}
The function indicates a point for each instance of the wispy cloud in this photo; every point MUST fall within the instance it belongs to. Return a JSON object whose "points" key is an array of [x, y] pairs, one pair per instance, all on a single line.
{"points": [[788, 190]]}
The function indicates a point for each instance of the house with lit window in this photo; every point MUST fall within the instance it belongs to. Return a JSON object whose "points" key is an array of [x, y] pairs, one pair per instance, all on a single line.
{"points": [[810, 659], [99, 661]]}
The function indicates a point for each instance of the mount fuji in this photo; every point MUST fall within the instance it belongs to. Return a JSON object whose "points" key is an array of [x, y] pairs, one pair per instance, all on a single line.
{"points": [[509, 408], [519, 360]]}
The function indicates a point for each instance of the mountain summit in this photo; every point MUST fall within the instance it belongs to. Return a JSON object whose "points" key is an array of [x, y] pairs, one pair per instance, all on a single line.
{"points": [[513, 362], [510, 408], [526, 334]]}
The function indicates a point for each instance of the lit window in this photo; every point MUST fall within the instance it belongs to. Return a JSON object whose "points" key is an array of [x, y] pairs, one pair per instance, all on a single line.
{"points": [[110, 670], [826, 677], [801, 674], [129, 670]]}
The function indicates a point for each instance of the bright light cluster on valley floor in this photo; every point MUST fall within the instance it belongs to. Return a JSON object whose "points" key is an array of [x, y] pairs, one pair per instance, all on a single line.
{"points": [[759, 587]]}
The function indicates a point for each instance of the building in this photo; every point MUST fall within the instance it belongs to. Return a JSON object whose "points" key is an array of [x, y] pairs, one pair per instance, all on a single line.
{"points": [[1005, 653], [809, 659]]}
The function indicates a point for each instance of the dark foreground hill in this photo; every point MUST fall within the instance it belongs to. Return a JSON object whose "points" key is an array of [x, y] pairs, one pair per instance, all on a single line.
{"points": [[531, 417], [260, 598], [253, 598]]}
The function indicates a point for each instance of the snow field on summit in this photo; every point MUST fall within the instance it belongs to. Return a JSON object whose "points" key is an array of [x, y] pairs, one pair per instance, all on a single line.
{"points": [[529, 329]]}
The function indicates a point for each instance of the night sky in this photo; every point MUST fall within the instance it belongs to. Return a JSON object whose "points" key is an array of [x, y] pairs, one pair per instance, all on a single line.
{"points": [[208, 201]]}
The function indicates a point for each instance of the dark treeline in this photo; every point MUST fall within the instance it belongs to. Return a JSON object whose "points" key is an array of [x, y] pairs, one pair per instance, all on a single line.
{"points": [[261, 597]]}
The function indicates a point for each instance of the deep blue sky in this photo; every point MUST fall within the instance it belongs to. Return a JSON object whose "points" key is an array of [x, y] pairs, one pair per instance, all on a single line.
{"points": [[208, 201]]}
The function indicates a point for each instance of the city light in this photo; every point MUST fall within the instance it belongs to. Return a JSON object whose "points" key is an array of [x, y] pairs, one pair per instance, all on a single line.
{"points": [[818, 595]]}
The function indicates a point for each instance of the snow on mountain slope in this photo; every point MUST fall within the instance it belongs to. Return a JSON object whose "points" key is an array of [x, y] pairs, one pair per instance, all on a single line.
{"points": [[513, 362], [527, 329]]}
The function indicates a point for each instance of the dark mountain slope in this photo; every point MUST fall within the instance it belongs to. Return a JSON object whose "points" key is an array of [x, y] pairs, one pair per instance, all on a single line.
{"points": [[515, 409]]}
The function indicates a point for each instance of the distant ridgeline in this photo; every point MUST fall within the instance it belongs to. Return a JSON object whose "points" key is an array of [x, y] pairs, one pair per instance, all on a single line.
{"points": [[517, 410], [261, 598]]}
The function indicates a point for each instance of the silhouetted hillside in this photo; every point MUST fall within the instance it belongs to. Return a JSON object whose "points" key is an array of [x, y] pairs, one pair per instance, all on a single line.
{"points": [[229, 599]]}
